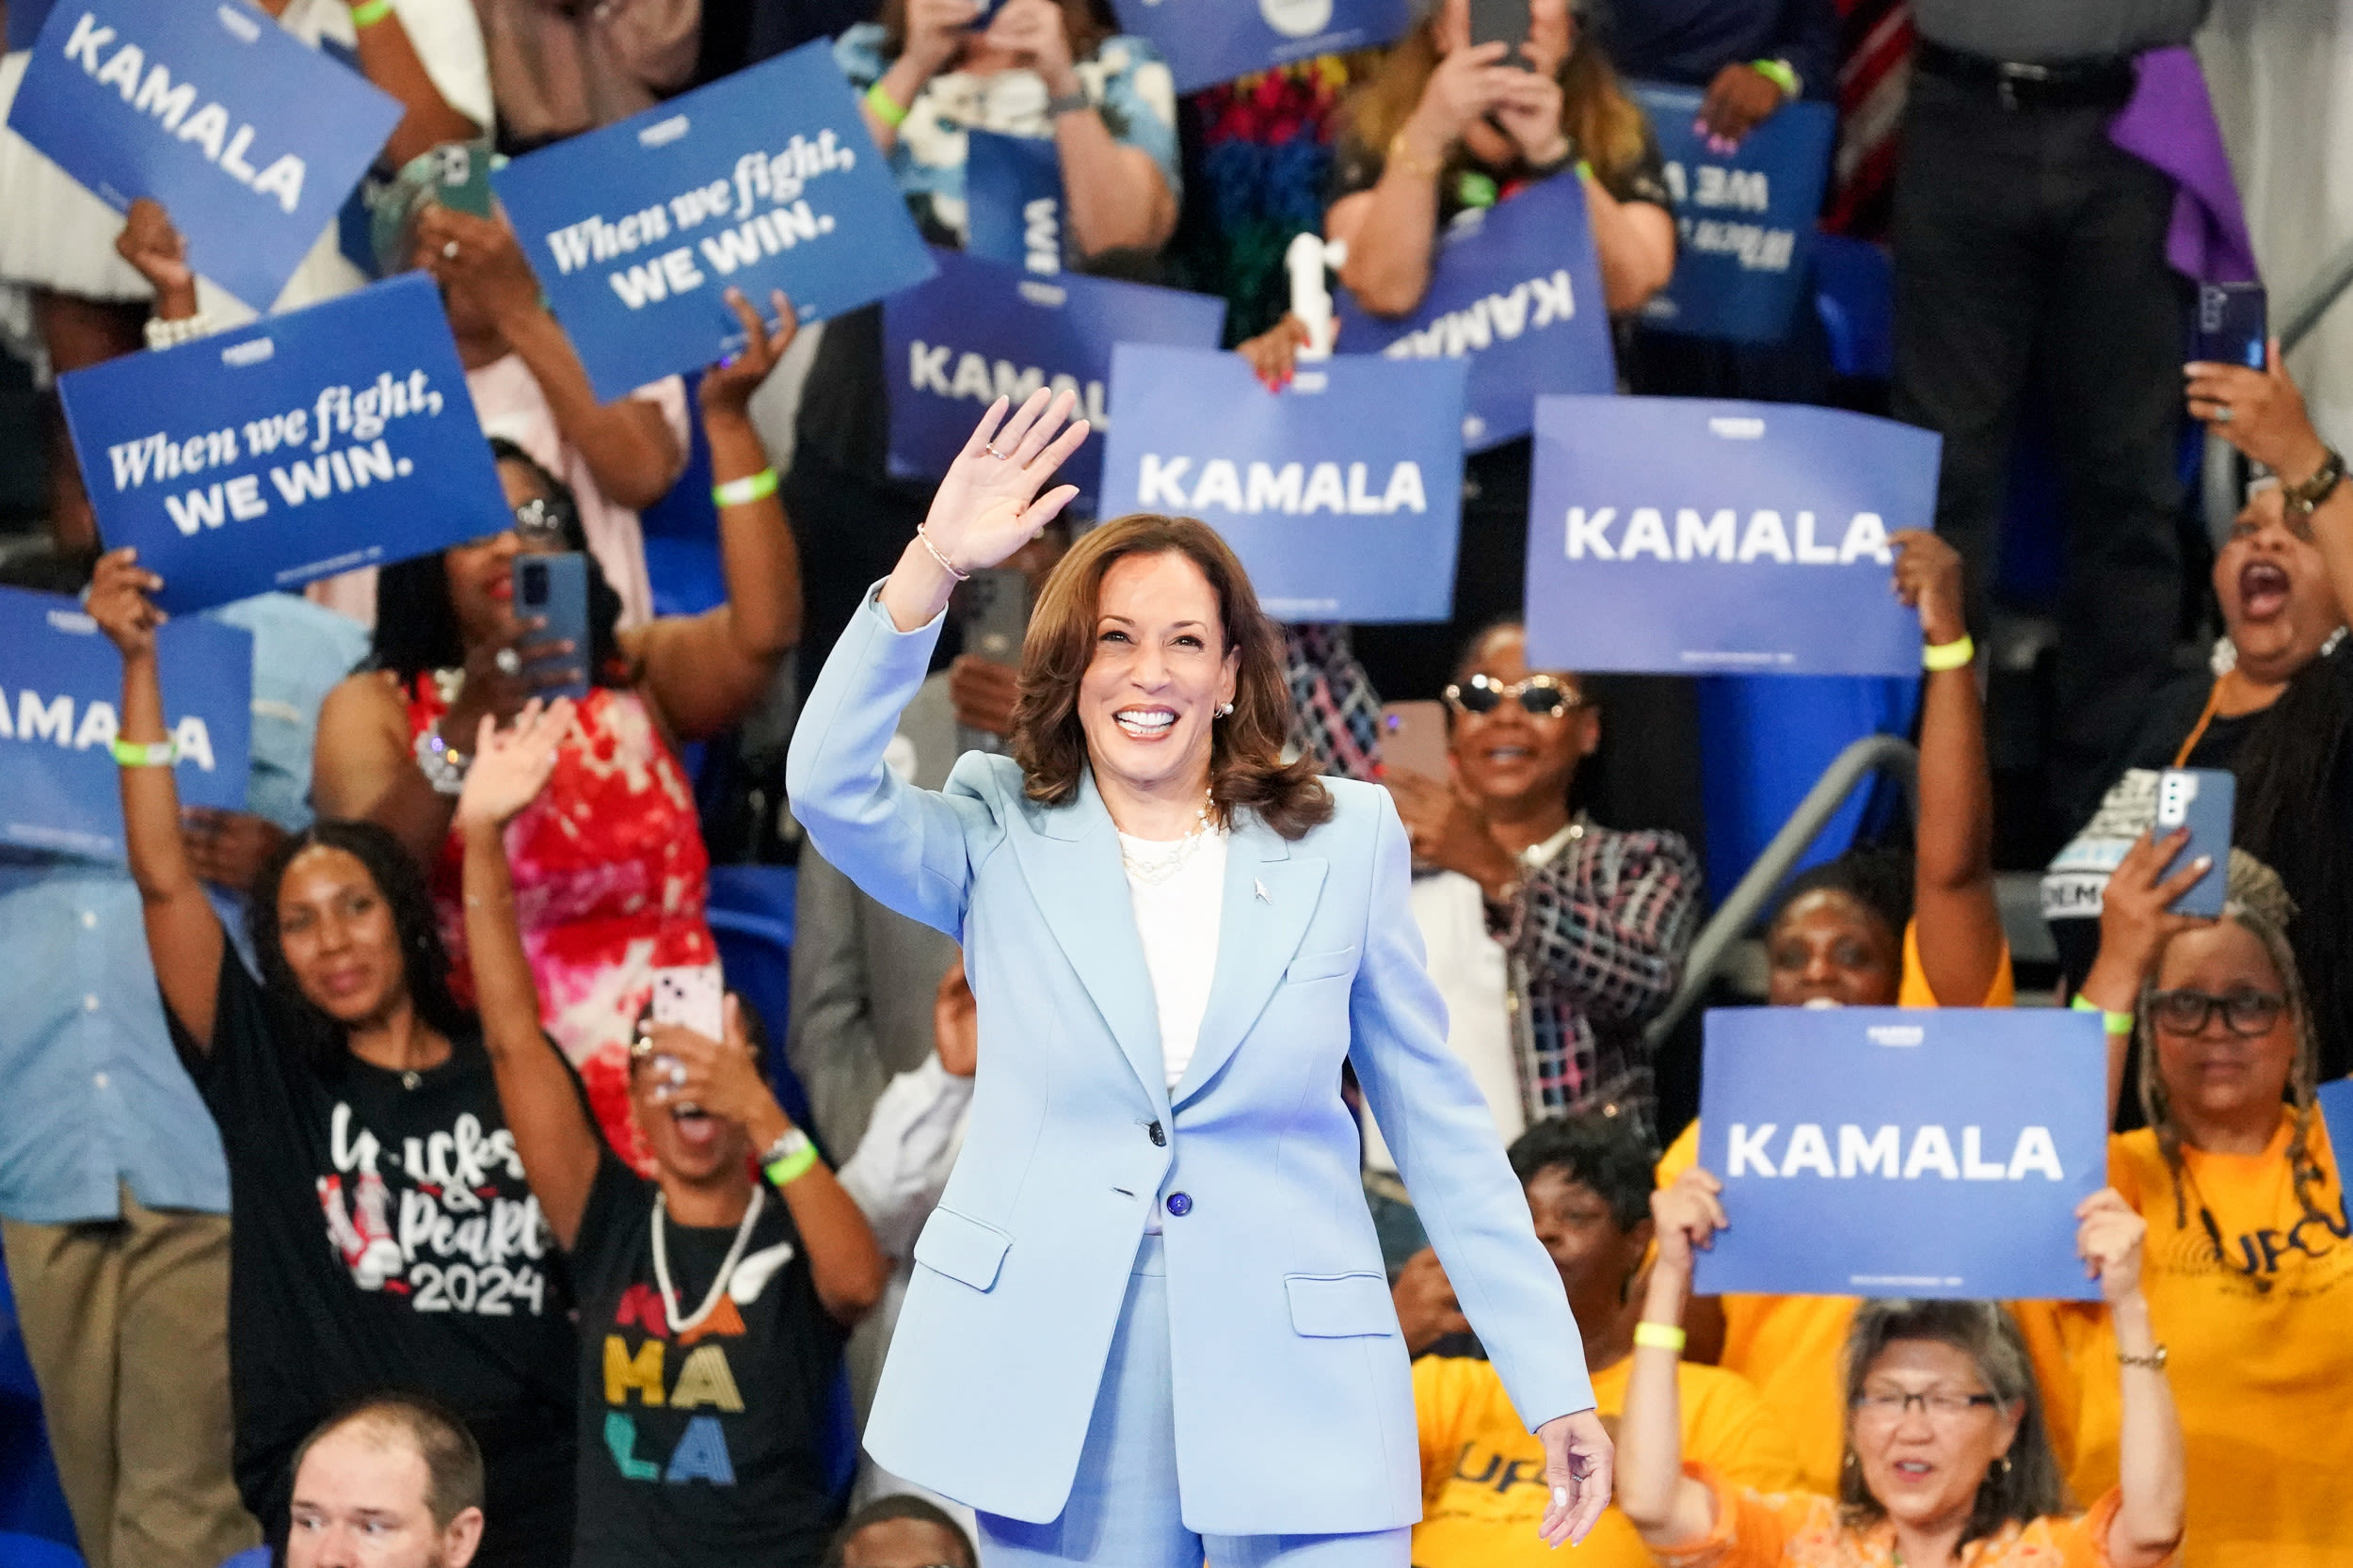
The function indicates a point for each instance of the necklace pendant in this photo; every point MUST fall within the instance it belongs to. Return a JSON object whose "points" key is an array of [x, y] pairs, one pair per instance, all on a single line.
{"points": [[411, 1079]]}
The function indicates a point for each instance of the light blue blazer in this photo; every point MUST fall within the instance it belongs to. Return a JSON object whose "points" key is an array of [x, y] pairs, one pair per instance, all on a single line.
{"points": [[1292, 1398]]}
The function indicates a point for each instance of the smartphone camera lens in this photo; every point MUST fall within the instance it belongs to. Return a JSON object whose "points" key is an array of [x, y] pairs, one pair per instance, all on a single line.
{"points": [[535, 583]]}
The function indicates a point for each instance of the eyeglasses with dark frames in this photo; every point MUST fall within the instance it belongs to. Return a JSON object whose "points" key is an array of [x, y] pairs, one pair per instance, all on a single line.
{"points": [[2245, 1011], [1544, 696]]}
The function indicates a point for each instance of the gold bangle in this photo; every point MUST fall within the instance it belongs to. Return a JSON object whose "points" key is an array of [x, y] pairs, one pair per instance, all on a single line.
{"points": [[2154, 1361], [1401, 157], [1660, 1337]]}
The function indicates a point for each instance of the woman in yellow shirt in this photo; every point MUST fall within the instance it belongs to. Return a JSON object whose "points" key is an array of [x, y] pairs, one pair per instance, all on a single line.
{"points": [[1946, 1462], [2250, 1252]]}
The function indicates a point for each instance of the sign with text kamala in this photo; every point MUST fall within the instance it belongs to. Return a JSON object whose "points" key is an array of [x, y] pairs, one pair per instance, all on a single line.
{"points": [[981, 331], [1516, 290], [1208, 42], [309, 443], [1684, 537], [60, 681], [1887, 1151], [251, 140], [1744, 219], [763, 180], [1342, 493]]}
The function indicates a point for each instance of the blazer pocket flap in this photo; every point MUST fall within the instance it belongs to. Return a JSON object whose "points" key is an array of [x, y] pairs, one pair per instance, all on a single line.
{"points": [[1322, 965], [1340, 1306], [962, 1248]]}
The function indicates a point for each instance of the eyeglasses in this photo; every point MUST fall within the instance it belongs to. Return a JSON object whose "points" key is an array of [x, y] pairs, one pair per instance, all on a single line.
{"points": [[2245, 1011], [1888, 1406], [1544, 696], [538, 526]]}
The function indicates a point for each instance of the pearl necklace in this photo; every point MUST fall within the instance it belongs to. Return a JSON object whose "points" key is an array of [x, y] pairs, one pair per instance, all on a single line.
{"points": [[1154, 871], [727, 1268]]}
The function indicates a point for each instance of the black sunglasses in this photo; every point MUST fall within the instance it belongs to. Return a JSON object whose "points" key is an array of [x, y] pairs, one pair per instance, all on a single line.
{"points": [[2246, 1012], [1545, 697]]}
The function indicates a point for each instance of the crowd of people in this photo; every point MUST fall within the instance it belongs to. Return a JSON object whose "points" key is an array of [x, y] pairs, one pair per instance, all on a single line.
{"points": [[390, 1176]]}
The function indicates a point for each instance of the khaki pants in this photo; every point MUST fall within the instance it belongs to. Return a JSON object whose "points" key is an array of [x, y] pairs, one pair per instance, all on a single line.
{"points": [[127, 1323]]}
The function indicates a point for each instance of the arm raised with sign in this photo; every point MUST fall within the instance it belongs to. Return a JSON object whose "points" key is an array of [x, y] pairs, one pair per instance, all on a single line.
{"points": [[388, 58], [183, 934]]}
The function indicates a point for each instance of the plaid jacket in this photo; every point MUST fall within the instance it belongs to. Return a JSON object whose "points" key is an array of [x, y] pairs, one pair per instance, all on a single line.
{"points": [[1600, 933]]}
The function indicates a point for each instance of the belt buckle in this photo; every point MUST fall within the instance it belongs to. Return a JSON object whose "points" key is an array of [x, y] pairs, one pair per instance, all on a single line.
{"points": [[2009, 73]]}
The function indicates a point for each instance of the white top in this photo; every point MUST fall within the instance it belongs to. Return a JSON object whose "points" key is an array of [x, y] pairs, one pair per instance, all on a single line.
{"points": [[1471, 972], [1177, 920]]}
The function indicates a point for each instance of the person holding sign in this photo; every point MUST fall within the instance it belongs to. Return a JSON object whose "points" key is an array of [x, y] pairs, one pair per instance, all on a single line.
{"points": [[716, 1303], [381, 1234], [2250, 1267], [1946, 1461], [931, 71], [1448, 126], [621, 897], [1152, 1258]]}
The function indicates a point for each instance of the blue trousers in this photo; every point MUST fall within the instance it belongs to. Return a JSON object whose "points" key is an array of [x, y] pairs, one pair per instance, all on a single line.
{"points": [[1124, 1510]]}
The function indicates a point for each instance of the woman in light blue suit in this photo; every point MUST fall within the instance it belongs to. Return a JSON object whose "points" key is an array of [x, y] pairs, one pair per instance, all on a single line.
{"points": [[1149, 1317]]}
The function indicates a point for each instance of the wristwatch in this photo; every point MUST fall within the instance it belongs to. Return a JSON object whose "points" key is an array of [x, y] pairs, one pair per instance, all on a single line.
{"points": [[1067, 102], [2305, 498]]}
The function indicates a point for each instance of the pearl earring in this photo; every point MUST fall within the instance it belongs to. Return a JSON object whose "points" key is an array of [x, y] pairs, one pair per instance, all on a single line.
{"points": [[1226, 711]]}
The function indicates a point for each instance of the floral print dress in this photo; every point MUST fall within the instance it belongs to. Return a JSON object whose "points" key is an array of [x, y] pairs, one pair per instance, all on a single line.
{"points": [[611, 881]]}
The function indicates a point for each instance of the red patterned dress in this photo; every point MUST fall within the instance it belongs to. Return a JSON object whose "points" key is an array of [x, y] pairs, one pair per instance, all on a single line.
{"points": [[611, 879]]}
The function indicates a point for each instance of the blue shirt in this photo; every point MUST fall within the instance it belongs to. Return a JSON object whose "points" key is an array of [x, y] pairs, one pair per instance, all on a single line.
{"points": [[1690, 40], [96, 1096]]}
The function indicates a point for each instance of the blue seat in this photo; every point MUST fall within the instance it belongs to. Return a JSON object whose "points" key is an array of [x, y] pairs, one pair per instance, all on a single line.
{"points": [[32, 1503], [751, 918], [1854, 293], [36, 1551]]}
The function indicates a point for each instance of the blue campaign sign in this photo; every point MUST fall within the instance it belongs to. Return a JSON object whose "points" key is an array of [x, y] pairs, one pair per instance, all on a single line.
{"points": [[306, 444], [1679, 536], [250, 140], [25, 23], [1208, 42], [2336, 1114], [1885, 1151], [1516, 290], [1343, 494], [1744, 220], [60, 682], [763, 180], [983, 329], [1013, 201]]}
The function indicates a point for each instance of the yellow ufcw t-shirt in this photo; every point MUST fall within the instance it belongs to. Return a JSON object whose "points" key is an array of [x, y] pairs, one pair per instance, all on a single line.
{"points": [[2259, 1347], [1483, 1473]]}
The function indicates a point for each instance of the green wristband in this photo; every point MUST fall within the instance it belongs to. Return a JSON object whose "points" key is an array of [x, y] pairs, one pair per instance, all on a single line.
{"points": [[752, 486], [149, 754], [2115, 1023], [369, 14], [791, 1167], [1779, 73], [887, 109]]}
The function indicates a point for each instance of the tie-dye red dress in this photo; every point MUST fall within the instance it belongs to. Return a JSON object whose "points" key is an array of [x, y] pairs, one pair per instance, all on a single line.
{"points": [[611, 880]]}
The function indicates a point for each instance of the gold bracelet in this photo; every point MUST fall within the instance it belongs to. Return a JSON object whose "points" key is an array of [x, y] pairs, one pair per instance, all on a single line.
{"points": [[1401, 157], [2154, 1361]]}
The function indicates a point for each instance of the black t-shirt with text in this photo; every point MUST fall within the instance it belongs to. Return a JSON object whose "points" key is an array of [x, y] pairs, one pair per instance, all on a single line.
{"points": [[702, 1446], [384, 1237]]}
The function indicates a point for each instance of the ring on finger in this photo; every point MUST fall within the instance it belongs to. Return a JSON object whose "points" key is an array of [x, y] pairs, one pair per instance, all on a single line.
{"points": [[509, 661], [449, 251], [678, 1074], [1000, 456], [2222, 413]]}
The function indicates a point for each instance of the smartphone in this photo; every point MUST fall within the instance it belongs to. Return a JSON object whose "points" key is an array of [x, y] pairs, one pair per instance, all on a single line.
{"points": [[996, 614], [2201, 800], [2232, 326], [984, 12], [690, 996], [1414, 739], [555, 589], [1502, 21], [456, 175]]}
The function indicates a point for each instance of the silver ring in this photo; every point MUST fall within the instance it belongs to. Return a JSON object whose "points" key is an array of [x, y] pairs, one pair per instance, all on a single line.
{"points": [[509, 661], [678, 1074], [449, 251], [2222, 413], [1000, 456]]}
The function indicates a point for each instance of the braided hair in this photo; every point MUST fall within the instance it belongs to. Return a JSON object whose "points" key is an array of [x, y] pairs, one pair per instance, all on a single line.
{"points": [[2256, 900]]}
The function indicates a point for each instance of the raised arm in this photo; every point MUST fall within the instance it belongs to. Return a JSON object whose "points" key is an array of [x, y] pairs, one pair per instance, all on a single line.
{"points": [[2136, 923], [905, 846], [388, 58], [2152, 1468], [705, 672], [553, 1133], [1439, 1128], [1953, 904], [1668, 1508], [183, 936]]}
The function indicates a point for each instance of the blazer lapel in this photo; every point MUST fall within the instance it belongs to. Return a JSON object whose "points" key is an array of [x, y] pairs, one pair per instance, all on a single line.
{"points": [[1072, 865], [1270, 897]]}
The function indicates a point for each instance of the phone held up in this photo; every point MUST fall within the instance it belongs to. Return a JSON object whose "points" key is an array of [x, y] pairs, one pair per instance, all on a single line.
{"points": [[995, 610], [2232, 326], [1502, 21], [555, 589], [2201, 800]]}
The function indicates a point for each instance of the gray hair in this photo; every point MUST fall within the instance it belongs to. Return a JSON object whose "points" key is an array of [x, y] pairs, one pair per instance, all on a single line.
{"points": [[2026, 1485]]}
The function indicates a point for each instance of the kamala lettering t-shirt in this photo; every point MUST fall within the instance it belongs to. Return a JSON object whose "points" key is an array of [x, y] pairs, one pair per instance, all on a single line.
{"points": [[385, 1236], [701, 1445]]}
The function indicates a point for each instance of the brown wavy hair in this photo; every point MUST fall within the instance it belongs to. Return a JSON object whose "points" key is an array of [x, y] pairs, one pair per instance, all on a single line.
{"points": [[1608, 126], [1246, 766]]}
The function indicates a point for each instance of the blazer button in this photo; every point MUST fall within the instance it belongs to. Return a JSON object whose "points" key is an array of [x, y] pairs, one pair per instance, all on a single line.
{"points": [[1159, 1138], [1179, 1205]]}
